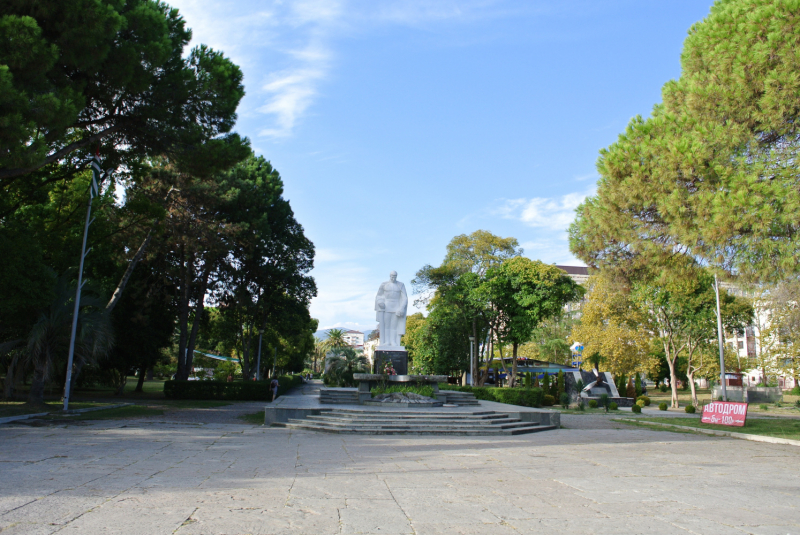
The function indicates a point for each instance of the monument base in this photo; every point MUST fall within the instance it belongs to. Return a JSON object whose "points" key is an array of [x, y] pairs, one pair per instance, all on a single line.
{"points": [[399, 360]]}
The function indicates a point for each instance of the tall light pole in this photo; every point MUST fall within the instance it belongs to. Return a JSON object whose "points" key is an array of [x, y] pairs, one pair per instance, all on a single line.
{"points": [[471, 361], [94, 189], [274, 360], [258, 366], [720, 341]]}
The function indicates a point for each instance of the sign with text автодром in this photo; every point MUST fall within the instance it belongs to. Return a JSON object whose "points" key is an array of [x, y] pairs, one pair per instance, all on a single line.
{"points": [[725, 413]]}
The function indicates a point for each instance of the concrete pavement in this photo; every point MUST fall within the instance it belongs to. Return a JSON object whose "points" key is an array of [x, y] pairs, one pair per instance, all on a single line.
{"points": [[152, 476]]}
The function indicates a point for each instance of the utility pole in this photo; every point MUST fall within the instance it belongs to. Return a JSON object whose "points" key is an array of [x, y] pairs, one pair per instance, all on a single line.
{"points": [[720, 341], [94, 189], [274, 360]]}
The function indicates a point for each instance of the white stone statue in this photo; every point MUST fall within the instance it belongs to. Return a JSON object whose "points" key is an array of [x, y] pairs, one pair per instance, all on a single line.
{"points": [[391, 305]]}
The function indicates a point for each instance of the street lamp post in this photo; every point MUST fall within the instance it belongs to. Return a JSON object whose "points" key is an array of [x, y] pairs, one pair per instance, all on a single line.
{"points": [[720, 342], [258, 365], [274, 360], [471, 361]]}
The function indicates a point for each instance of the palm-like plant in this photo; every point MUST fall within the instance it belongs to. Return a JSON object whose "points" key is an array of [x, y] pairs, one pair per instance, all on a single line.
{"points": [[48, 340], [336, 339], [343, 363]]}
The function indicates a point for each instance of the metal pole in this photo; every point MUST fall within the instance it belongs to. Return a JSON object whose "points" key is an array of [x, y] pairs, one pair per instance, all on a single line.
{"points": [[274, 361], [77, 306], [720, 341], [258, 366]]}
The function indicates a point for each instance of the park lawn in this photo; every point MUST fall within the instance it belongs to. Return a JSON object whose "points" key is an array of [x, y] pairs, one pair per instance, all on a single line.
{"points": [[193, 403], [777, 427], [18, 408], [131, 411], [256, 418]]}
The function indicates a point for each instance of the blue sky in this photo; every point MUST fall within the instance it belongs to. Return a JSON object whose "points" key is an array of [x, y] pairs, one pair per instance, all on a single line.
{"points": [[399, 124]]}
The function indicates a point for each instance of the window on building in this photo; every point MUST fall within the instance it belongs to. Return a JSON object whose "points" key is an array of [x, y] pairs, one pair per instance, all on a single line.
{"points": [[741, 344]]}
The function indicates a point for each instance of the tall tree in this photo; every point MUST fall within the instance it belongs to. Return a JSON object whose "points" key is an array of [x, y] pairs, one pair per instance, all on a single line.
{"points": [[522, 293], [712, 173], [78, 74]]}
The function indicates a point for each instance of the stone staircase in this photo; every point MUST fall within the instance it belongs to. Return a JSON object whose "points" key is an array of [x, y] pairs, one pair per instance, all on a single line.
{"points": [[459, 398], [339, 396], [414, 422]]}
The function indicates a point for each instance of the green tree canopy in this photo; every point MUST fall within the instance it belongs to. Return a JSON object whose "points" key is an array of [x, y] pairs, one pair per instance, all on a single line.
{"points": [[712, 174], [78, 74]]}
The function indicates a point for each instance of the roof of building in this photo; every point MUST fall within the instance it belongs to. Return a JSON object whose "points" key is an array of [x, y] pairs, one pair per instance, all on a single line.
{"points": [[575, 270], [353, 332]]}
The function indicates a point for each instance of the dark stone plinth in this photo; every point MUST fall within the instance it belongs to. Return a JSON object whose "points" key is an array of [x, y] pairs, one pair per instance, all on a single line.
{"points": [[399, 360]]}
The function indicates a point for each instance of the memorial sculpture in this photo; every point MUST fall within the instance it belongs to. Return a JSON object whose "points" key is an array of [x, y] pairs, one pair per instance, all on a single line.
{"points": [[391, 306]]}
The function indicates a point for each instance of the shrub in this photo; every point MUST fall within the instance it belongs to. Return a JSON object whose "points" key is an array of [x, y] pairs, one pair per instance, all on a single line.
{"points": [[524, 397], [662, 406], [592, 403], [630, 390], [690, 409], [663, 388], [582, 405], [794, 391], [563, 400], [238, 391], [613, 406], [636, 409], [604, 401], [645, 399], [422, 390], [764, 407], [548, 400], [640, 403], [637, 385]]}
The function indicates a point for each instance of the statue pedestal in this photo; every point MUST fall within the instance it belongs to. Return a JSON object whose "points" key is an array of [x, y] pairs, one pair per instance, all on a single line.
{"points": [[398, 358]]}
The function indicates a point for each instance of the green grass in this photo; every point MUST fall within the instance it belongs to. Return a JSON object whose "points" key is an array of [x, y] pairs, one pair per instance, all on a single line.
{"points": [[256, 418], [194, 403], [131, 411], [17, 408], [778, 427]]}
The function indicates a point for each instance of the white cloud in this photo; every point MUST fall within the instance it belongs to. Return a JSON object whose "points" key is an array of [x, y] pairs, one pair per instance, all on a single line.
{"points": [[555, 213]]}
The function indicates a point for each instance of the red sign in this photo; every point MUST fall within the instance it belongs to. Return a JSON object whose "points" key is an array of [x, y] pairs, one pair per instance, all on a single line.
{"points": [[725, 413]]}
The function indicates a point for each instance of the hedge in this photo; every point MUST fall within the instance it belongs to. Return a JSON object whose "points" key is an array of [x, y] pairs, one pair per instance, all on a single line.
{"points": [[524, 397], [236, 391]]}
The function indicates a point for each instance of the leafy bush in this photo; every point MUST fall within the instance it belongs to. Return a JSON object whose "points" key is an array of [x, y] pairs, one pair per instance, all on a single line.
{"points": [[563, 400], [636, 409], [236, 391], [794, 391], [604, 401], [422, 390], [524, 397], [592, 403], [764, 407], [613, 406], [548, 400], [663, 388], [582, 405], [662, 406], [690, 409], [640, 403], [645, 399]]}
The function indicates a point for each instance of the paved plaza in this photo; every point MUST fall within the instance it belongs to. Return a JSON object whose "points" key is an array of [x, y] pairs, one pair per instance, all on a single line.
{"points": [[168, 475]]}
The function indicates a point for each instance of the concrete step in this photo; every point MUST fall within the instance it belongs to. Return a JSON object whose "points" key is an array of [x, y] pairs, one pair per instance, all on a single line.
{"points": [[381, 422]]}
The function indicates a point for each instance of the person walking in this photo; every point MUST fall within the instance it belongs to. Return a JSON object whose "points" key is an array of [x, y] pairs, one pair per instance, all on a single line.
{"points": [[273, 385]]}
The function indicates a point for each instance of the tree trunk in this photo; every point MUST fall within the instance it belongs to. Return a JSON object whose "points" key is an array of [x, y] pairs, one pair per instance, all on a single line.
{"points": [[198, 316], [474, 355], [690, 377], [115, 297], [514, 364], [8, 386], [673, 380], [36, 394], [140, 383]]}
